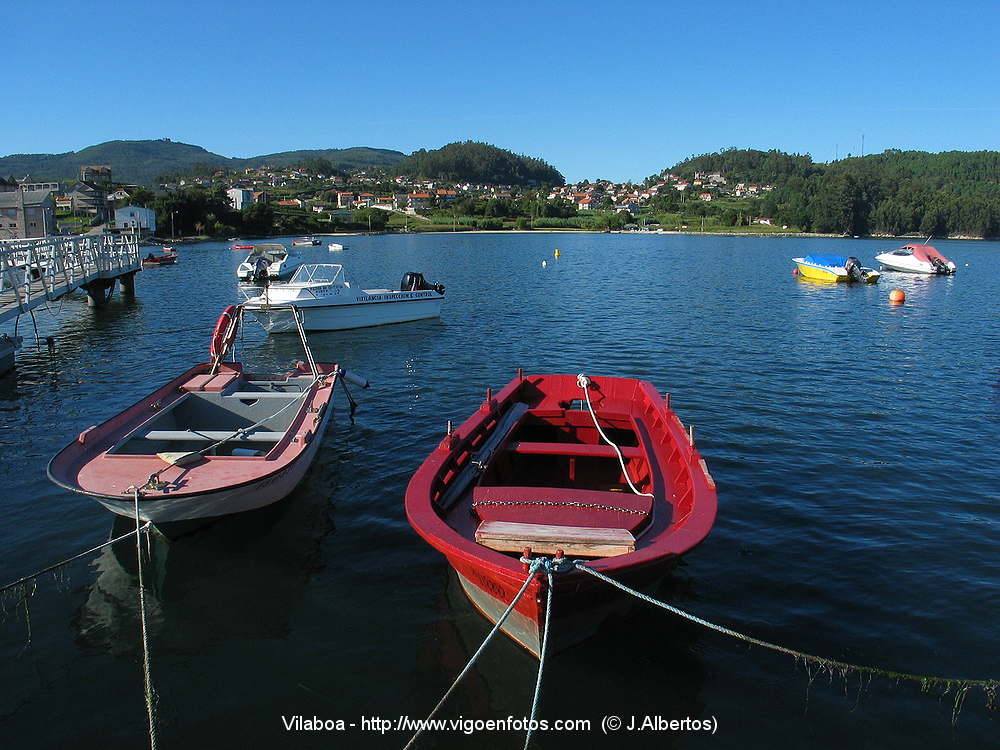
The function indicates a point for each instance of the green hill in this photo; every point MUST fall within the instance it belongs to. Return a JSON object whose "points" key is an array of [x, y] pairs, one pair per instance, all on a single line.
{"points": [[953, 193], [479, 163], [141, 162]]}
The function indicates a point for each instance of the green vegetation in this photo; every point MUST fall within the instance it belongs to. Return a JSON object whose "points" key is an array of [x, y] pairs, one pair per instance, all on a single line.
{"points": [[892, 193], [478, 163]]}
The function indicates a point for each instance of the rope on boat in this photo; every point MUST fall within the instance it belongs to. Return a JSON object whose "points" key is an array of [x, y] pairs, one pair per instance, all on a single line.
{"points": [[147, 674], [68, 560], [541, 654], [583, 381], [990, 687], [533, 568]]}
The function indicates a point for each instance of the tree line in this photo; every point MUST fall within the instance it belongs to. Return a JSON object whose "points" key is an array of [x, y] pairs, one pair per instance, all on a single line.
{"points": [[896, 192]]}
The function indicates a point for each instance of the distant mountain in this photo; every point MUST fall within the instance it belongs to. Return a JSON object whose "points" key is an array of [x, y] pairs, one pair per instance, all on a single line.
{"points": [[481, 163], [141, 162]]}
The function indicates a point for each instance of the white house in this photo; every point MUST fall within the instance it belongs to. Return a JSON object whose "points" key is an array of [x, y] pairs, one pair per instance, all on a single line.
{"points": [[240, 198], [136, 217]]}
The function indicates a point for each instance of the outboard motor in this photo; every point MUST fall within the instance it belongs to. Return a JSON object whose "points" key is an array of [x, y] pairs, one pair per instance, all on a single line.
{"points": [[939, 266], [854, 270], [260, 275], [414, 281]]}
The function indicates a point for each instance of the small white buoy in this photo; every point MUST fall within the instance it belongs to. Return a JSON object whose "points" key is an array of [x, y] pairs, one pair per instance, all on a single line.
{"points": [[544, 263]]}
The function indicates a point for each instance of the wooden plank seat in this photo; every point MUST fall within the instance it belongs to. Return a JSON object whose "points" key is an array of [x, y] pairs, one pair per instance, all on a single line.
{"points": [[546, 539], [572, 449], [263, 394], [558, 506], [210, 383], [205, 436]]}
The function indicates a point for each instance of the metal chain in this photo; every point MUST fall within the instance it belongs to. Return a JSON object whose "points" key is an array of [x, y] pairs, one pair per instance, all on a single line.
{"points": [[560, 503]]}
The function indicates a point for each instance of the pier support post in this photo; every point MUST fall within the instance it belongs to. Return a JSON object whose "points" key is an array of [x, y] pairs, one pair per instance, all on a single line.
{"points": [[99, 292], [128, 284]]}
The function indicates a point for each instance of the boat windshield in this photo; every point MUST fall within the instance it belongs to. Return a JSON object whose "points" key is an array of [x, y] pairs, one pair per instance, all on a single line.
{"points": [[318, 273]]}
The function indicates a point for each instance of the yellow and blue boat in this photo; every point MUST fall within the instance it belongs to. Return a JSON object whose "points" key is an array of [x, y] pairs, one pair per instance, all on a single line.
{"points": [[832, 267]]}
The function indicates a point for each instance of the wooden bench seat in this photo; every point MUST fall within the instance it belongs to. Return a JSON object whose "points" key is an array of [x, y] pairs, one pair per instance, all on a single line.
{"points": [[205, 436], [572, 449], [505, 536]]}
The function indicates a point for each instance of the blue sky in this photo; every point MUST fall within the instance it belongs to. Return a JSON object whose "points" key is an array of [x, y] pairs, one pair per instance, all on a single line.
{"points": [[597, 89]]}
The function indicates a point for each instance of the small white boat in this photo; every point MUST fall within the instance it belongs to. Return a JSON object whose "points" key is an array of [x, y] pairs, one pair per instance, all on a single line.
{"points": [[267, 263], [326, 301], [916, 258], [333, 246]]}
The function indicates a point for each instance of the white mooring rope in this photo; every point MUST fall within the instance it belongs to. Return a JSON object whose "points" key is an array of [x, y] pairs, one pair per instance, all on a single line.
{"points": [[535, 565], [147, 674], [583, 381]]}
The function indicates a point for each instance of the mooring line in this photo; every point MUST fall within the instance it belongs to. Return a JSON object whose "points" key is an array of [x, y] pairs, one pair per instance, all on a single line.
{"points": [[535, 565], [68, 560], [147, 674], [990, 687]]}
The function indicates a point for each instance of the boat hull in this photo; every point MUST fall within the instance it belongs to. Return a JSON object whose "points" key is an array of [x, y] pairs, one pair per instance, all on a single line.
{"points": [[889, 263], [822, 273], [360, 314], [224, 502]]}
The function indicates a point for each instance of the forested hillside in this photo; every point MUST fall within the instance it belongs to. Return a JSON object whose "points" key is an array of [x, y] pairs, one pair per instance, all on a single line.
{"points": [[141, 162], [478, 163], [896, 192]]}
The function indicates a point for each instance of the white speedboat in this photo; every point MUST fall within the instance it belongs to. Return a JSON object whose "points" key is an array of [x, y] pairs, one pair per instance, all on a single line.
{"points": [[916, 258], [267, 263], [327, 301], [333, 246]]}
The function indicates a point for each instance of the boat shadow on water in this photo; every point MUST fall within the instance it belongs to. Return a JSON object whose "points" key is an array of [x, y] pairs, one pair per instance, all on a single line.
{"points": [[237, 577], [670, 676]]}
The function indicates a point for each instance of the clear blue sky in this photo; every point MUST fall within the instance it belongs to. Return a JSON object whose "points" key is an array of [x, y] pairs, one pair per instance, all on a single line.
{"points": [[615, 90]]}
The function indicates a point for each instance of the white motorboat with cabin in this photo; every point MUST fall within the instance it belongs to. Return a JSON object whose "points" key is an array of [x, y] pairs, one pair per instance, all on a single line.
{"points": [[916, 258], [266, 263], [326, 301]]}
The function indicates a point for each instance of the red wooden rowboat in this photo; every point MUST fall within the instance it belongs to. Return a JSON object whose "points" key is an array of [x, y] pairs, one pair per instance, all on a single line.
{"points": [[165, 259], [531, 469], [236, 246]]}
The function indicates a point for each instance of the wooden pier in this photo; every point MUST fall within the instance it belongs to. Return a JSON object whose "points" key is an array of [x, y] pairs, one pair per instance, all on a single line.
{"points": [[40, 270]]}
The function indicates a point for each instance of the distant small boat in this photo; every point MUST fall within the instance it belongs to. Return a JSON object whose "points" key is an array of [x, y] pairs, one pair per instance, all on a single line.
{"points": [[305, 241], [916, 258], [328, 302], [598, 468], [166, 259], [241, 247], [831, 267], [335, 246], [213, 441], [269, 262]]}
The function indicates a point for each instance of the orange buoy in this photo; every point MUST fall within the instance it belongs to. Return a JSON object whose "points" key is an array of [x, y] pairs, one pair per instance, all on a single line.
{"points": [[897, 297], [795, 272]]}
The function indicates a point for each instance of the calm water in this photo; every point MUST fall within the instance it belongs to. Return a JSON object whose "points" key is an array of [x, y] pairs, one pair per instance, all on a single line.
{"points": [[854, 445]]}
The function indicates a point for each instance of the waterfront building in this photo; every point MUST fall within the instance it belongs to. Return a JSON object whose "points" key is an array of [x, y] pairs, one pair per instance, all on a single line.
{"points": [[25, 214], [136, 217]]}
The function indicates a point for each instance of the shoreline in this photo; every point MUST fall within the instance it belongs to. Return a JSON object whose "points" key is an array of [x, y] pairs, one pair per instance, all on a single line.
{"points": [[801, 235]]}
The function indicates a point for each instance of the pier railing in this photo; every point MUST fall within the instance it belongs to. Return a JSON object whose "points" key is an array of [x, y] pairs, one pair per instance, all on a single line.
{"points": [[33, 271]]}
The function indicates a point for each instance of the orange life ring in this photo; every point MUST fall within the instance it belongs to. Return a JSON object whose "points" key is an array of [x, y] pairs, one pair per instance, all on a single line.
{"points": [[224, 334]]}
